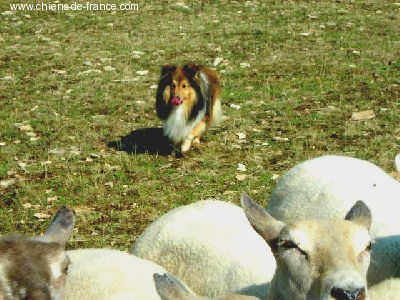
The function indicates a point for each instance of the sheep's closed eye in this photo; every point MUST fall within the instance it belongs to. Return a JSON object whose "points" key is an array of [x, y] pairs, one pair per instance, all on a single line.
{"points": [[369, 247], [287, 245], [65, 266], [366, 252]]}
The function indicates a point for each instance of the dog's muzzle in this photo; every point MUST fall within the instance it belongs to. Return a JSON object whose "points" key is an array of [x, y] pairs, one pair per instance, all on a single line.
{"points": [[176, 101]]}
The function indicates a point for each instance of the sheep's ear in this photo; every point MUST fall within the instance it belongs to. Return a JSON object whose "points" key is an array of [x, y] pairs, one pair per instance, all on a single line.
{"points": [[167, 70], [60, 227], [262, 222], [169, 287], [360, 214]]}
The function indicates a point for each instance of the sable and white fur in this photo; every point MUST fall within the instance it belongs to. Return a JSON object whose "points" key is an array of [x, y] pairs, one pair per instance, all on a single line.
{"points": [[188, 102], [35, 268], [326, 187]]}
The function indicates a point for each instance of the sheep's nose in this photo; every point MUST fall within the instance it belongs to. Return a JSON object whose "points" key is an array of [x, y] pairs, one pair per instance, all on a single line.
{"points": [[344, 294]]}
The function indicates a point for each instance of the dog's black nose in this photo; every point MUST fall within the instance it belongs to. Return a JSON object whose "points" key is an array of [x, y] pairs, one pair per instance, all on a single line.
{"points": [[344, 294]]}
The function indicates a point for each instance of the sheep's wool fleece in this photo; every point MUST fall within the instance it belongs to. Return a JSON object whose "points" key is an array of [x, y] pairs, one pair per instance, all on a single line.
{"points": [[211, 246], [104, 274]]}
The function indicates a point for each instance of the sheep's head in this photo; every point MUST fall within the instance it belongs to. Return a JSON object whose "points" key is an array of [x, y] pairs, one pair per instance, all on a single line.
{"points": [[35, 268], [316, 259]]}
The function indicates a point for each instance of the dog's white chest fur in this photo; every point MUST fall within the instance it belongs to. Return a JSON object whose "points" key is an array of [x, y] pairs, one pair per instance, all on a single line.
{"points": [[176, 126]]}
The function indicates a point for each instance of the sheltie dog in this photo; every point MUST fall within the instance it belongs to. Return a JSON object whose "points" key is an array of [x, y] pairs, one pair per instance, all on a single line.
{"points": [[188, 102]]}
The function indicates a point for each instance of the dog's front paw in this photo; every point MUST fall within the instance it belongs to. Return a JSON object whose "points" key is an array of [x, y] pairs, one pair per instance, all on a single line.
{"points": [[185, 146], [196, 141], [187, 143]]}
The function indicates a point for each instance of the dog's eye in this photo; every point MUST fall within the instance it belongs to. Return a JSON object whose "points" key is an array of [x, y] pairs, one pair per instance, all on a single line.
{"points": [[184, 86]]}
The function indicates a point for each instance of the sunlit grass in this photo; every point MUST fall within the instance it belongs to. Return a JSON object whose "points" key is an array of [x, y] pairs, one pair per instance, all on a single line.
{"points": [[292, 74]]}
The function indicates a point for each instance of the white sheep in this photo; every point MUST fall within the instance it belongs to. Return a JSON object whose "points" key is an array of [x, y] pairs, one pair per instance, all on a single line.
{"points": [[388, 289], [327, 186], [171, 288], [35, 267], [106, 274], [211, 246], [316, 259]]}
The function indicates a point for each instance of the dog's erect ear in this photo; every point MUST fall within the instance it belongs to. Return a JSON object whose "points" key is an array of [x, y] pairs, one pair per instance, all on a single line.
{"points": [[191, 70], [167, 69]]}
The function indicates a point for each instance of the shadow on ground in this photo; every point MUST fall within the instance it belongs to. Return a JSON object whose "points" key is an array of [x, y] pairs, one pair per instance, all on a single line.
{"points": [[145, 140]]}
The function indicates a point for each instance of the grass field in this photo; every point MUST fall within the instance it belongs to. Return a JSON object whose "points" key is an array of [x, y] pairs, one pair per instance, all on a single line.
{"points": [[77, 91]]}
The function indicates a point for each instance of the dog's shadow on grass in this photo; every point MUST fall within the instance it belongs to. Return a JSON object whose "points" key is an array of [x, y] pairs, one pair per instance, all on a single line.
{"points": [[145, 140]]}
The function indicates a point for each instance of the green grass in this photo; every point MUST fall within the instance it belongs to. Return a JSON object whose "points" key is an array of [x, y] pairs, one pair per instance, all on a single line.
{"points": [[71, 75]]}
